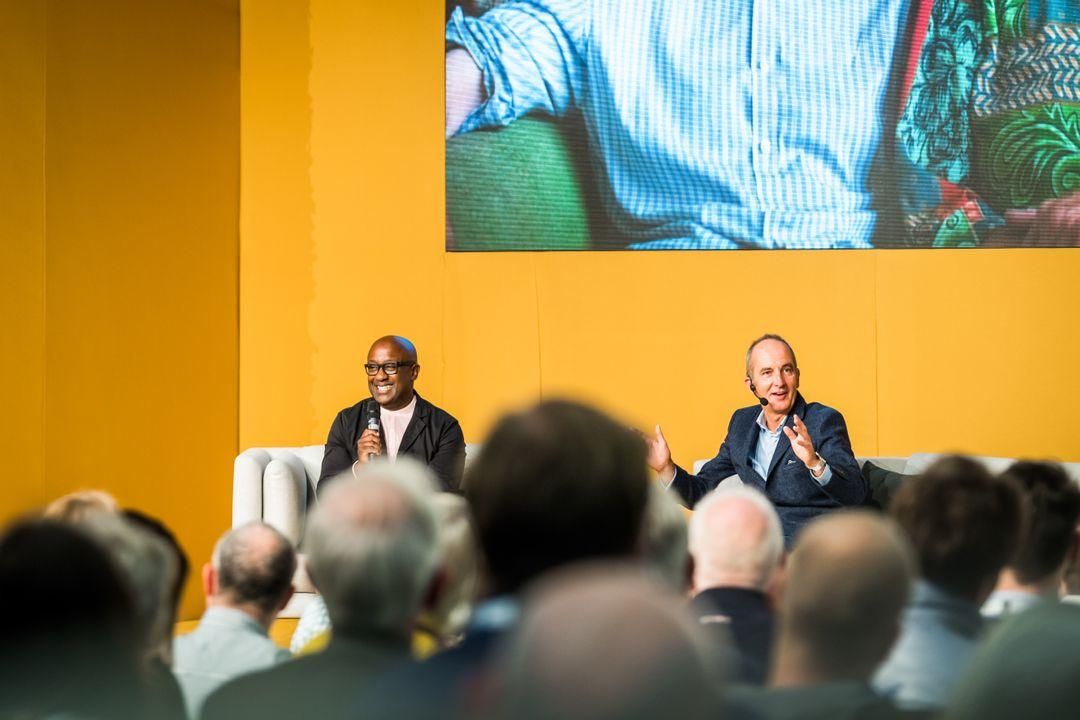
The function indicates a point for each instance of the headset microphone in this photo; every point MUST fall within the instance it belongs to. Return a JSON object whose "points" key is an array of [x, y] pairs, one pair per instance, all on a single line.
{"points": [[760, 399]]}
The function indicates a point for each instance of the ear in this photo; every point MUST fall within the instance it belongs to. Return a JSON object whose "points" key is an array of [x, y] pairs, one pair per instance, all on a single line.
{"points": [[774, 588], [798, 374], [414, 371], [209, 580], [748, 383], [285, 597]]}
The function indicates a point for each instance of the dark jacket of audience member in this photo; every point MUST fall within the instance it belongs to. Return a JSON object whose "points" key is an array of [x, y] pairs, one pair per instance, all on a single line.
{"points": [[71, 644]]}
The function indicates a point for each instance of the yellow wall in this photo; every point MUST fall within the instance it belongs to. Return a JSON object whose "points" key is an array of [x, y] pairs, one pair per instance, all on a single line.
{"points": [[342, 240], [123, 260]]}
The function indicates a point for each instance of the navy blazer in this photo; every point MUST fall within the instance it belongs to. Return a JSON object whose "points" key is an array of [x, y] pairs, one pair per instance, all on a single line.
{"points": [[796, 495]]}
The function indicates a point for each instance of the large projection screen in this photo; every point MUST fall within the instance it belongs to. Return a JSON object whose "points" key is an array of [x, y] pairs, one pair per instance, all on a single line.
{"points": [[768, 124]]}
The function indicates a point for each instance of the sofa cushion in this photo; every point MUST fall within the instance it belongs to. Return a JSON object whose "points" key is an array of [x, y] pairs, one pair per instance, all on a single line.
{"points": [[883, 483]]}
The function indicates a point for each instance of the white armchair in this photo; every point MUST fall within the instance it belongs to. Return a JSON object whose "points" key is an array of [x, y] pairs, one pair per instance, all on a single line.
{"points": [[277, 485]]}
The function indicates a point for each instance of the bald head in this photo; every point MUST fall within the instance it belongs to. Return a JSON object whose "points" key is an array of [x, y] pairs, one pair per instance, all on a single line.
{"points": [[848, 579], [402, 345], [572, 656], [735, 540], [255, 565]]}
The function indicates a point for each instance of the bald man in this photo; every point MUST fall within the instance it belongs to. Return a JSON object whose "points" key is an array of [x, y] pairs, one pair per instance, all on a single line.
{"points": [[848, 580], [797, 453], [394, 421], [737, 544]]}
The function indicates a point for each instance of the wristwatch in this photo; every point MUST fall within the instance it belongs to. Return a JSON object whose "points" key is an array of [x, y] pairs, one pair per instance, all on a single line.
{"points": [[818, 469]]}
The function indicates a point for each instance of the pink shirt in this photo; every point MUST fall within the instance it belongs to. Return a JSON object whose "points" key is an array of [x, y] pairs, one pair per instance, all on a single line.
{"points": [[394, 423]]}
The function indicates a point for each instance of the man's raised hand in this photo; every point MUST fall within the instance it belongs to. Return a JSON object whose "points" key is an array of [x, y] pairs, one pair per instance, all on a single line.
{"points": [[659, 455], [801, 444]]}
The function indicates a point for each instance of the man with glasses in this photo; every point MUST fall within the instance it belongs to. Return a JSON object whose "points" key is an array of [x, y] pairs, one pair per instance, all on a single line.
{"points": [[395, 421]]}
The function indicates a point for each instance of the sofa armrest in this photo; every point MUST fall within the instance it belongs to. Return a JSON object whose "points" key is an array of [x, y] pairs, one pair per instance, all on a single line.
{"points": [[248, 469], [284, 489]]}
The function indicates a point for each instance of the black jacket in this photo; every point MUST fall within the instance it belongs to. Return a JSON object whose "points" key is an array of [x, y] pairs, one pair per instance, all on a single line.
{"points": [[433, 437]]}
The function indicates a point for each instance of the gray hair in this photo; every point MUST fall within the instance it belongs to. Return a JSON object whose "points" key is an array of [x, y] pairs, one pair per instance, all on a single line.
{"points": [[372, 549], [723, 548], [150, 567], [666, 541], [460, 558]]}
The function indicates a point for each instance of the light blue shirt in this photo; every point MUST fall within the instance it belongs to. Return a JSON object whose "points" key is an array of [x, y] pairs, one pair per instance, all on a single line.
{"points": [[227, 643], [745, 123], [766, 448], [938, 637]]}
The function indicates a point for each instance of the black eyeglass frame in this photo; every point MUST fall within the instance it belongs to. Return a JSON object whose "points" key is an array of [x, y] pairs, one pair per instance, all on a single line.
{"points": [[373, 369]]}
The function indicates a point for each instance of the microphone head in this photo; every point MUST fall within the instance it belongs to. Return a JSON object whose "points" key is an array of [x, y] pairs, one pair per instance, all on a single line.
{"points": [[372, 414], [763, 401]]}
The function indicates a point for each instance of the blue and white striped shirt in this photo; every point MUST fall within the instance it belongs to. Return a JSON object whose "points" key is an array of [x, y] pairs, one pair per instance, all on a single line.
{"points": [[743, 123]]}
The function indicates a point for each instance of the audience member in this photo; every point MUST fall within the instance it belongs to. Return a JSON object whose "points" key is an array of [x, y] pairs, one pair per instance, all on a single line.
{"points": [[155, 527], [1049, 547], [151, 565], [247, 582], [737, 544], [78, 506], [439, 625], [666, 544], [600, 643], [1027, 668], [554, 485], [964, 524], [70, 646], [848, 580], [372, 553]]}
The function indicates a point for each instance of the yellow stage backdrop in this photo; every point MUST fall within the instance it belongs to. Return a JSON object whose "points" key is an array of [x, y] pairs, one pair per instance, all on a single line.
{"points": [[119, 196], [342, 240]]}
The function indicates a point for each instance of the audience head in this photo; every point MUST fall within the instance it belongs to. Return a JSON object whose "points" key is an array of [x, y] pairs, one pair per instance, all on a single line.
{"points": [[150, 567], [76, 507], [372, 550], [459, 559], [848, 579], [70, 644], [665, 543], [251, 570], [1026, 668], [1053, 505], [158, 529], [963, 522], [600, 642], [735, 539], [555, 484]]}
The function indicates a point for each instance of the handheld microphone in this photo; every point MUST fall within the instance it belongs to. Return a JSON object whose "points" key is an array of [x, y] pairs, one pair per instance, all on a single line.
{"points": [[760, 399], [372, 421]]}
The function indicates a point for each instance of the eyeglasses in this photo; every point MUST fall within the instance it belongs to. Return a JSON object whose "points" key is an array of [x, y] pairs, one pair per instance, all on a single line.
{"points": [[389, 368]]}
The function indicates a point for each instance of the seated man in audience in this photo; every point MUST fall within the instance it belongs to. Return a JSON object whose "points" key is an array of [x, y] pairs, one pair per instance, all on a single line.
{"points": [[795, 452], [372, 555], [1049, 546], [71, 641], [964, 524], [736, 544], [394, 421], [246, 583], [554, 485], [601, 642], [848, 579]]}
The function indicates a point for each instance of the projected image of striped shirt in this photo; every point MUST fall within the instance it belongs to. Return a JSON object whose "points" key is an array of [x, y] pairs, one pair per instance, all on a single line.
{"points": [[712, 125]]}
